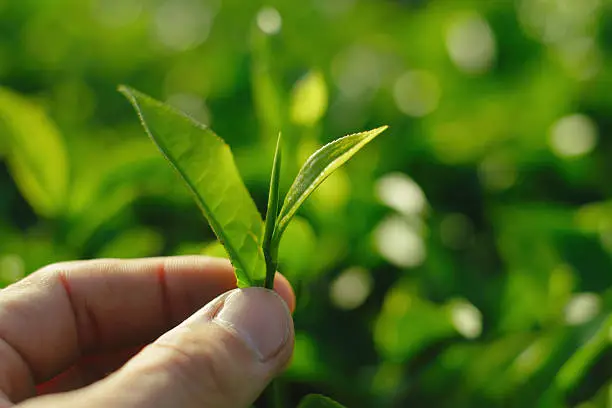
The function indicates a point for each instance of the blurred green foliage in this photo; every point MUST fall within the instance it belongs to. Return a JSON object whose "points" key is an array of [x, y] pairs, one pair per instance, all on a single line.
{"points": [[461, 260]]}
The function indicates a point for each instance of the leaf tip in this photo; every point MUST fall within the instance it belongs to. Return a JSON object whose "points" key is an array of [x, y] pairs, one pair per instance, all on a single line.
{"points": [[381, 129], [129, 92], [124, 89]]}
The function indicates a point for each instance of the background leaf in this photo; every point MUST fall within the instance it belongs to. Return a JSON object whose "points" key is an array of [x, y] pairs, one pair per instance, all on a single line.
{"points": [[36, 151], [309, 99], [206, 164], [318, 401]]}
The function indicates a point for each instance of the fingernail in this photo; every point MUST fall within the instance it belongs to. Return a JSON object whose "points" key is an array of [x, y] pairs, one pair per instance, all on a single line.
{"points": [[260, 318]]}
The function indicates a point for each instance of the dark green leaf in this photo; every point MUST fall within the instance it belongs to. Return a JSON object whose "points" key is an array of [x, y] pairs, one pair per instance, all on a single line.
{"points": [[318, 401], [316, 169], [206, 164]]}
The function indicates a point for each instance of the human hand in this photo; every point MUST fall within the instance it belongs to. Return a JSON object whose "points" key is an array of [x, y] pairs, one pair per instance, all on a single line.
{"points": [[72, 334]]}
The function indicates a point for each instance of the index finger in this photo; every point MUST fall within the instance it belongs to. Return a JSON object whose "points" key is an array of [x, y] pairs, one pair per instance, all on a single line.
{"points": [[64, 311]]}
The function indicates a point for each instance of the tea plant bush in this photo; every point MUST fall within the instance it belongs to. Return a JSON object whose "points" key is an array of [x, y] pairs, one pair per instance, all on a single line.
{"points": [[463, 259]]}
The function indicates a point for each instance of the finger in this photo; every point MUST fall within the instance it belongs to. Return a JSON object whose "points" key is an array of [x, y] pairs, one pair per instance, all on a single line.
{"points": [[88, 370], [62, 312], [222, 356], [4, 402], [92, 368]]}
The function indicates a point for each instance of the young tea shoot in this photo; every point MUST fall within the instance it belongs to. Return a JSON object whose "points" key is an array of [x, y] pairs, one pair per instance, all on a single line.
{"points": [[206, 165]]}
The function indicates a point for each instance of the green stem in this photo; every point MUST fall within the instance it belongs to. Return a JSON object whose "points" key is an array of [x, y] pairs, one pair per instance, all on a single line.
{"points": [[273, 396], [270, 271], [270, 249]]}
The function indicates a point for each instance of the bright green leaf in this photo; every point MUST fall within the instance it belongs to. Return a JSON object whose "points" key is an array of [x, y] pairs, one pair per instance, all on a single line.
{"points": [[318, 401], [36, 153], [309, 99], [316, 169], [585, 357], [272, 214], [206, 164]]}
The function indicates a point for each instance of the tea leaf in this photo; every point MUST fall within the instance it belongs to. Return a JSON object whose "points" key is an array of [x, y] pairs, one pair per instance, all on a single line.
{"points": [[271, 215], [577, 366], [36, 153], [206, 164], [316, 169], [318, 401]]}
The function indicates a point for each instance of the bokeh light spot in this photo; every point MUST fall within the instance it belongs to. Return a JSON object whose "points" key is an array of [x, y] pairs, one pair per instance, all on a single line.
{"points": [[351, 288], [181, 25], [400, 192], [417, 93], [357, 71], [399, 243], [471, 43], [269, 20], [467, 319], [572, 136], [582, 308]]}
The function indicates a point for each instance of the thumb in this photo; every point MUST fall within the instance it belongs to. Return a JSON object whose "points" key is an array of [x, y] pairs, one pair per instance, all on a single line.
{"points": [[222, 356]]}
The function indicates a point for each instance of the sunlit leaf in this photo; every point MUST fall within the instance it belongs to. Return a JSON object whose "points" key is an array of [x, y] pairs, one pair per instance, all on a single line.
{"points": [[272, 214], [318, 401], [583, 359], [37, 155], [316, 169], [309, 99], [207, 166]]}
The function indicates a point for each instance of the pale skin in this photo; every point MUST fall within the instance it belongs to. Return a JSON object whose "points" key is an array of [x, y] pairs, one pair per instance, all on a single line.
{"points": [[157, 332]]}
